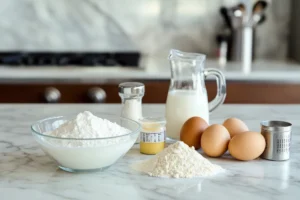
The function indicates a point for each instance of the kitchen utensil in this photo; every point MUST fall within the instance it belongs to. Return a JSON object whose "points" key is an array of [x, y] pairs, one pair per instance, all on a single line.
{"points": [[224, 13], [262, 19], [223, 39], [84, 154], [236, 15], [257, 20], [278, 138], [259, 6], [239, 10], [258, 12], [187, 96]]}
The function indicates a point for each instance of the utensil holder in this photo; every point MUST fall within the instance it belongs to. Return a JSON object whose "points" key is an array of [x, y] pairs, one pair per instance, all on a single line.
{"points": [[236, 45]]}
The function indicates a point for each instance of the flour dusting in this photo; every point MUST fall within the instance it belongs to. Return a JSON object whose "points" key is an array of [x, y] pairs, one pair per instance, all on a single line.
{"points": [[178, 161]]}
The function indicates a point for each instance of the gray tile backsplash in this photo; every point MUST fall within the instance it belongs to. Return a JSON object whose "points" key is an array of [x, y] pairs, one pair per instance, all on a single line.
{"points": [[150, 26]]}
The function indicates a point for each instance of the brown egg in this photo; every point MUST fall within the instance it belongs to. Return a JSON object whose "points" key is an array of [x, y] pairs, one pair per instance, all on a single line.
{"points": [[235, 126], [247, 146], [191, 131], [214, 140]]}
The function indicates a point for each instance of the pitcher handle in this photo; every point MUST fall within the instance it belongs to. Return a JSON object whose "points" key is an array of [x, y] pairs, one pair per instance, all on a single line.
{"points": [[221, 88]]}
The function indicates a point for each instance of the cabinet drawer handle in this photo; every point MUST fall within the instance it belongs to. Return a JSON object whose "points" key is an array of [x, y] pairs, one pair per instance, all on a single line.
{"points": [[97, 95], [52, 95]]}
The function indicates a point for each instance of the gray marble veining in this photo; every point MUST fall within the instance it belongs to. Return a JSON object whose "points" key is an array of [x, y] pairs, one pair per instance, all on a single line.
{"points": [[27, 173], [150, 26]]}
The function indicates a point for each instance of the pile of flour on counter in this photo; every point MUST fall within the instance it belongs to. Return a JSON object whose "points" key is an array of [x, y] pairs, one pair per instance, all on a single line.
{"points": [[88, 126], [178, 161]]}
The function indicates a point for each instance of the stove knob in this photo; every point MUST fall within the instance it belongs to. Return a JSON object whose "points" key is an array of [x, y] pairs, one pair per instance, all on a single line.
{"points": [[97, 95], [52, 95]]}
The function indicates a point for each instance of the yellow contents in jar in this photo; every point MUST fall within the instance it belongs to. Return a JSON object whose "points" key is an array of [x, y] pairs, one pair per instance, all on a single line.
{"points": [[152, 138]]}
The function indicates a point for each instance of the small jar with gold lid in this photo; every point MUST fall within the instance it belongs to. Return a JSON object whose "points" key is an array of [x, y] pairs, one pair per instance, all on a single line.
{"points": [[152, 136]]}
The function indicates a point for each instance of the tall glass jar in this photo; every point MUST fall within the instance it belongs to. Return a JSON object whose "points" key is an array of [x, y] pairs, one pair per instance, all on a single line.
{"points": [[131, 94]]}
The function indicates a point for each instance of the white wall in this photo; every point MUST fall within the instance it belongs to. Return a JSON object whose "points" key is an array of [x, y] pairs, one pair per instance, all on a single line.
{"points": [[151, 26]]}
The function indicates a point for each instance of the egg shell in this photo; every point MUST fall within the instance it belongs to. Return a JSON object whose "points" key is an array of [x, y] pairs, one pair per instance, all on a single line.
{"points": [[192, 130], [214, 140], [247, 146], [235, 126]]}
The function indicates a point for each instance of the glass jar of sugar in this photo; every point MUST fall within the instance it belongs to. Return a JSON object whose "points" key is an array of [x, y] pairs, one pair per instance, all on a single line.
{"points": [[131, 94]]}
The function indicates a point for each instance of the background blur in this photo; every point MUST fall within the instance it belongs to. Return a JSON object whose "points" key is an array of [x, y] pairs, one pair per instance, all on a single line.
{"points": [[79, 51], [148, 26]]}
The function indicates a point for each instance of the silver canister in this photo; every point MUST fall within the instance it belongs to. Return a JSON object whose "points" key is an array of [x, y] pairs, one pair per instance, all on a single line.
{"points": [[278, 139]]}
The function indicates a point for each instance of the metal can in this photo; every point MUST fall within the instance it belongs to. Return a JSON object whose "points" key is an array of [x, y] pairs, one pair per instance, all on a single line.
{"points": [[278, 139]]}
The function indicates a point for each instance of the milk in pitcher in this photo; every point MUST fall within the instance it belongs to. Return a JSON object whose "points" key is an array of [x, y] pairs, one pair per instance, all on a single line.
{"points": [[187, 96], [182, 105]]}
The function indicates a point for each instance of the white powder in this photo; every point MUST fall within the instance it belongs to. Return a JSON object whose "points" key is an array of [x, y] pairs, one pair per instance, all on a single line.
{"points": [[83, 152], [87, 126], [132, 109], [178, 161]]}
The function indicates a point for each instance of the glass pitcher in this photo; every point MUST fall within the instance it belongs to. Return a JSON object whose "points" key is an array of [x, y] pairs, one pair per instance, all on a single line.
{"points": [[187, 96]]}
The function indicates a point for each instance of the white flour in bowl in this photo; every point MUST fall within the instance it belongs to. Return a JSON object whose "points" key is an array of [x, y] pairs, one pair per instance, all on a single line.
{"points": [[178, 161], [80, 153], [88, 126]]}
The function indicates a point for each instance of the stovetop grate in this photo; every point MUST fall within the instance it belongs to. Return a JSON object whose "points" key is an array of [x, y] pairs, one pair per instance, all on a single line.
{"points": [[125, 59]]}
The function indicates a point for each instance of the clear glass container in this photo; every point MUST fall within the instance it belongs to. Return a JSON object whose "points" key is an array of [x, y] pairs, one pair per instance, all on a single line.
{"points": [[77, 154], [152, 136], [187, 96], [131, 94]]}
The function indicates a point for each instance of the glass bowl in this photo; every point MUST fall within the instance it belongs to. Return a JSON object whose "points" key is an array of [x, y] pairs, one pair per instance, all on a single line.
{"points": [[76, 155]]}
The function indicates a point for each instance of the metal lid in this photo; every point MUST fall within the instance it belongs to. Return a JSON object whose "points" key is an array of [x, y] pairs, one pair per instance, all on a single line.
{"points": [[276, 126], [132, 88]]}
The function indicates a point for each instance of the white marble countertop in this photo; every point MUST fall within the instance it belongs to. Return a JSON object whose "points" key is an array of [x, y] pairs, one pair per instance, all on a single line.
{"points": [[157, 69], [27, 173]]}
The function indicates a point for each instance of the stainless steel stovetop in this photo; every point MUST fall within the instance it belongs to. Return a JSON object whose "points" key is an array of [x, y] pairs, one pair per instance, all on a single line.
{"points": [[107, 59]]}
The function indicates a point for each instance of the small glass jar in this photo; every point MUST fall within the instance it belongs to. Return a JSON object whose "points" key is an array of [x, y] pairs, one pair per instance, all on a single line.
{"points": [[152, 136], [131, 94]]}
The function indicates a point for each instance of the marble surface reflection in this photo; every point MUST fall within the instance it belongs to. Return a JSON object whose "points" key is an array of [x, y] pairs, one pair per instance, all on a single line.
{"points": [[27, 173]]}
